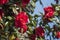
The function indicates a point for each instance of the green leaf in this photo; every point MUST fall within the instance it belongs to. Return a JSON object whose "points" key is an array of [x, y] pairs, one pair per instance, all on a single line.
{"points": [[9, 17], [30, 24], [30, 29], [30, 17], [40, 38], [48, 28], [34, 23], [55, 33], [32, 4], [41, 2], [56, 13], [35, 0], [6, 24], [57, 8], [14, 10], [36, 16], [6, 29]]}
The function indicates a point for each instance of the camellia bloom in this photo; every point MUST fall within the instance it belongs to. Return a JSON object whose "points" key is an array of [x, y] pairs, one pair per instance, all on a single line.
{"points": [[1, 14], [39, 31], [20, 21], [25, 2], [49, 12], [3, 1], [58, 34]]}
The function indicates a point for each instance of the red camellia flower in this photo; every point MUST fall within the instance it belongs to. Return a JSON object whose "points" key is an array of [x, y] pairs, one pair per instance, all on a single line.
{"points": [[39, 31], [20, 21], [58, 34], [3, 1], [49, 12], [1, 14], [25, 2], [22, 16]]}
